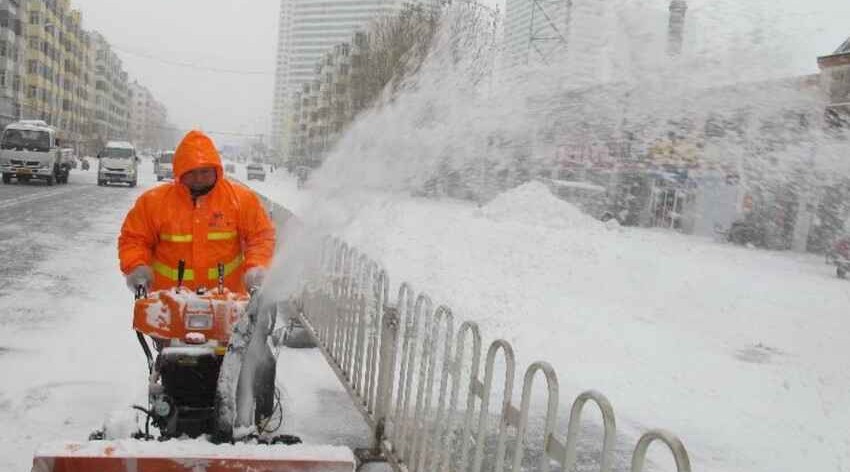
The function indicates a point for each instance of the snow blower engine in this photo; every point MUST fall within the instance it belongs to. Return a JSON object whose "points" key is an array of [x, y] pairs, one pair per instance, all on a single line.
{"points": [[188, 390]]}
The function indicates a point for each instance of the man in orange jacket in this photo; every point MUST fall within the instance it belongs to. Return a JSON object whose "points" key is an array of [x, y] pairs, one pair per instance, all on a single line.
{"points": [[201, 218]]}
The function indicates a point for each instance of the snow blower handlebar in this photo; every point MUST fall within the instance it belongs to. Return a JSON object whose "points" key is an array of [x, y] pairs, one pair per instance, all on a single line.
{"points": [[142, 292]]}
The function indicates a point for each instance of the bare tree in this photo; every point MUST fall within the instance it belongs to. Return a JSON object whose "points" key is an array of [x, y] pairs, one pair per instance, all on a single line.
{"points": [[396, 46]]}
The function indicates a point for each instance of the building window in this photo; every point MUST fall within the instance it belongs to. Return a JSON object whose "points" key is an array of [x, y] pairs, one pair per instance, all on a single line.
{"points": [[32, 91], [32, 67], [35, 18]]}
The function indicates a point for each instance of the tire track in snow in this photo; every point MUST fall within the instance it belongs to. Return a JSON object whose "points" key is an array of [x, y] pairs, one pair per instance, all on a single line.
{"points": [[35, 197]]}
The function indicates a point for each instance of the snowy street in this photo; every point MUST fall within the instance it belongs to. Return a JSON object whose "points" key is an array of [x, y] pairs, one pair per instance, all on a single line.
{"points": [[67, 353]]}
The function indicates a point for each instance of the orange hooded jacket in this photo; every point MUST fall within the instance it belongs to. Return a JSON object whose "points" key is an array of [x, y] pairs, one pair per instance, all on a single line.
{"points": [[226, 226]]}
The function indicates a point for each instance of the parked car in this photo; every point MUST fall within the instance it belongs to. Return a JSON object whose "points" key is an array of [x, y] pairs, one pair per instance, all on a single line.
{"points": [[255, 171]]}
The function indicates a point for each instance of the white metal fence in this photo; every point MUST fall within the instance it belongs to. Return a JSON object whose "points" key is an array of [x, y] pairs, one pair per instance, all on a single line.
{"points": [[417, 380]]}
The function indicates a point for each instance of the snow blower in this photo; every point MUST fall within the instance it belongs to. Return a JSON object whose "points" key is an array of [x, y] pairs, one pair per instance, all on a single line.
{"points": [[211, 395]]}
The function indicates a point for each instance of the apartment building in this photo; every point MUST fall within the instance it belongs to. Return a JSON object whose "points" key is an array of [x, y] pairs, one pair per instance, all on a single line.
{"points": [[323, 105], [148, 119], [11, 60], [307, 30], [54, 80], [835, 81], [112, 93]]}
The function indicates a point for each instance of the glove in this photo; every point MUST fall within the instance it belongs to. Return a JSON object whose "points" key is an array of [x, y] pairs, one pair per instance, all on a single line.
{"points": [[141, 275], [254, 277]]}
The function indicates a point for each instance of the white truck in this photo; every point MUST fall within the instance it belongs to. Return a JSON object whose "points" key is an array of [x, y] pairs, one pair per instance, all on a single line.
{"points": [[118, 163], [163, 166], [29, 150]]}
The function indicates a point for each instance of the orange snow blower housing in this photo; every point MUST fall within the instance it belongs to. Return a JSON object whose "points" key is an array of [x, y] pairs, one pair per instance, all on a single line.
{"points": [[184, 315]]}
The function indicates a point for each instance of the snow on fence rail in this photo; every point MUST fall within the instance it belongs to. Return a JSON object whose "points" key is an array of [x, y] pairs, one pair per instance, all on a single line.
{"points": [[417, 381]]}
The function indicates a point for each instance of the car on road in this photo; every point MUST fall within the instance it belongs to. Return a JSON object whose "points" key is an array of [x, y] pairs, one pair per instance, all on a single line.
{"points": [[255, 171], [118, 163]]}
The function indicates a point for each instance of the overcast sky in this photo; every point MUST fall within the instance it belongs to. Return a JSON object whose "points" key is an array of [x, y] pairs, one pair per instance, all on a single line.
{"points": [[242, 35]]}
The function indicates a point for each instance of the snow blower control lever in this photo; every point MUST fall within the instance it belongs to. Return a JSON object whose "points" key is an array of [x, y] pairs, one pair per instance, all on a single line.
{"points": [[220, 277], [181, 271]]}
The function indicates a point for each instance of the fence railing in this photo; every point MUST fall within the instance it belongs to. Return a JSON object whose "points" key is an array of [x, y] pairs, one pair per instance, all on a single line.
{"points": [[418, 381]]}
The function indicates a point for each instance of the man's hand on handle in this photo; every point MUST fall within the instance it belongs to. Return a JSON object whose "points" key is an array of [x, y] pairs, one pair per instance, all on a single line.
{"points": [[254, 277], [140, 276]]}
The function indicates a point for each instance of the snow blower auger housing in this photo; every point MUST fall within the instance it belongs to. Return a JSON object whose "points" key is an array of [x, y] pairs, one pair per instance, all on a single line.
{"points": [[206, 344]]}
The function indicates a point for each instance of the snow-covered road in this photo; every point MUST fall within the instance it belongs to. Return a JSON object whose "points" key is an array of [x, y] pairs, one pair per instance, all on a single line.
{"points": [[68, 356]]}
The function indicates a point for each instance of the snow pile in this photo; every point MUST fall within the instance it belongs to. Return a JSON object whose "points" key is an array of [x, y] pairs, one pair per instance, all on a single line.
{"points": [[534, 204]]}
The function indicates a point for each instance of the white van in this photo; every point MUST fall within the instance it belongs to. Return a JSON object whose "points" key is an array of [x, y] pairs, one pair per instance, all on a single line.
{"points": [[118, 163], [163, 166]]}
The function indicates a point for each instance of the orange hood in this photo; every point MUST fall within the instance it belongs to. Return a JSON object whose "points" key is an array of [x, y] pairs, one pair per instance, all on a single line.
{"points": [[196, 150]]}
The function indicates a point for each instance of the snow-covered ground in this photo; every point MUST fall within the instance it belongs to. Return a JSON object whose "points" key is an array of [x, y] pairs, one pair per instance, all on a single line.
{"points": [[68, 355], [744, 353]]}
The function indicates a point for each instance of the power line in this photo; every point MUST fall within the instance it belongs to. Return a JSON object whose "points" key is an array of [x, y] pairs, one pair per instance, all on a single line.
{"points": [[225, 133], [190, 65]]}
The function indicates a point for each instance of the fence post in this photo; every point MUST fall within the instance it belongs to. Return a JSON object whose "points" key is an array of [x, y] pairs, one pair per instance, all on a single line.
{"points": [[606, 460], [525, 406], [680, 454], [386, 372]]}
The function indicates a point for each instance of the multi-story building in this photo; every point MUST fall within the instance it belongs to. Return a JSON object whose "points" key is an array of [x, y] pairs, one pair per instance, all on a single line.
{"points": [[835, 80], [148, 119], [140, 100], [308, 29], [54, 82], [11, 60], [322, 107], [111, 100], [90, 145]]}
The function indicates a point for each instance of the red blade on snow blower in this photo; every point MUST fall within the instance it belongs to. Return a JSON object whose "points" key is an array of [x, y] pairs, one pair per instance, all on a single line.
{"points": [[189, 456]]}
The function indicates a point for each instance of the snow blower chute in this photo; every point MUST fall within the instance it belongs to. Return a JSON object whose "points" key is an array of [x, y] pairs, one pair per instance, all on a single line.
{"points": [[211, 395]]}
